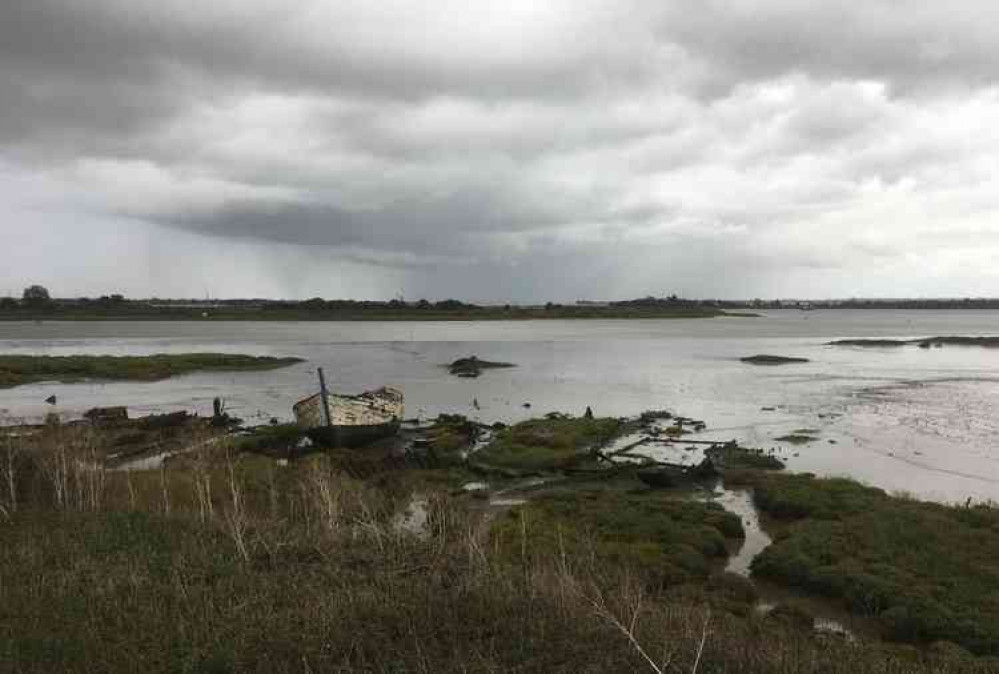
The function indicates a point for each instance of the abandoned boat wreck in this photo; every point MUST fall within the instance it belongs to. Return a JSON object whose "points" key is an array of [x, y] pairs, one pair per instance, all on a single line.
{"points": [[350, 420]]}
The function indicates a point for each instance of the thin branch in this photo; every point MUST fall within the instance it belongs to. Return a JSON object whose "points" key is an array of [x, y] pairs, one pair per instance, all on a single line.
{"points": [[603, 612], [704, 638]]}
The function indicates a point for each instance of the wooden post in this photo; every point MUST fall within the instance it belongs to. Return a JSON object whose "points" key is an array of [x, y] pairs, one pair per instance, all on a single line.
{"points": [[333, 432], [325, 398]]}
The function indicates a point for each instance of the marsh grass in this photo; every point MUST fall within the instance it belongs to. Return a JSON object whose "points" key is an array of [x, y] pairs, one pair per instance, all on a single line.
{"points": [[667, 539], [275, 439], [17, 370], [732, 457], [227, 562], [925, 572], [550, 443], [796, 438], [450, 435]]}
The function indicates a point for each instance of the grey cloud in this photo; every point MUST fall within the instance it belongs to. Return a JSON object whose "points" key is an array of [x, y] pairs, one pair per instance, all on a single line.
{"points": [[438, 225], [909, 45], [441, 144], [396, 48], [839, 112]]}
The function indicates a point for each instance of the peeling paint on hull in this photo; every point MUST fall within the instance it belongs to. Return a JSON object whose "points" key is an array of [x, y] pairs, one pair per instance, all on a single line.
{"points": [[354, 420]]}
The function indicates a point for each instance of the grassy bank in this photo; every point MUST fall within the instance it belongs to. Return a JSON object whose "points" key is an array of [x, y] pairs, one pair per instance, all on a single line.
{"points": [[926, 572], [664, 538], [548, 444], [17, 370], [144, 592], [226, 562], [924, 342]]}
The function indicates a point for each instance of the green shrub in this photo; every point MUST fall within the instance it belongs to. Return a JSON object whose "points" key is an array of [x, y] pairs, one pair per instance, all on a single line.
{"points": [[548, 443], [671, 540], [924, 571]]}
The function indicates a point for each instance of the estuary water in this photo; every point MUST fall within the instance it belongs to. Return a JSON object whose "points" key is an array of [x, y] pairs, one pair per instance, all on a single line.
{"points": [[924, 421]]}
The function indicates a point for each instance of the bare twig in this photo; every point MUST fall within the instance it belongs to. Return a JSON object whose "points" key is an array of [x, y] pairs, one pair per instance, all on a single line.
{"points": [[164, 491], [11, 478], [704, 638], [601, 610], [237, 515]]}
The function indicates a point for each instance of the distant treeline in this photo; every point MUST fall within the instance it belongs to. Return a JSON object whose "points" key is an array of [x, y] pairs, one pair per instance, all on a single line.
{"points": [[952, 303], [116, 307]]}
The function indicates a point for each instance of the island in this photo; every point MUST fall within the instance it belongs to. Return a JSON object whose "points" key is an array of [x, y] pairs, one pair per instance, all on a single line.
{"points": [[922, 342], [767, 359], [16, 370], [473, 366]]}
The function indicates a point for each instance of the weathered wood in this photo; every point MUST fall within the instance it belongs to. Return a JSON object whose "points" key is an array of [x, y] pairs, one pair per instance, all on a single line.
{"points": [[353, 419]]}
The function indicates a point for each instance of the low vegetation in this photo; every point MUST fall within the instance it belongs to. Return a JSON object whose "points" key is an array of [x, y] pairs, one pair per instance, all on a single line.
{"points": [[767, 359], [667, 539], [272, 439], [925, 342], [874, 343], [450, 435], [473, 366], [796, 438], [988, 342], [799, 436], [925, 572], [731, 456], [229, 562], [18, 370], [548, 444]]}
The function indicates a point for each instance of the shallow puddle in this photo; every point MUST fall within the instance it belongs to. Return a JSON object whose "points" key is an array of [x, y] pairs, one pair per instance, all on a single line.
{"points": [[507, 502], [656, 445], [413, 519], [153, 462], [483, 440]]}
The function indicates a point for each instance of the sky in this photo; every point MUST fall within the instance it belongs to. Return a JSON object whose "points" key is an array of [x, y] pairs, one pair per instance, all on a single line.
{"points": [[500, 151]]}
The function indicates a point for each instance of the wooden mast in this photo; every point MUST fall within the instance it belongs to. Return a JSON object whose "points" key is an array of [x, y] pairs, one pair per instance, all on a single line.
{"points": [[325, 396], [334, 431]]}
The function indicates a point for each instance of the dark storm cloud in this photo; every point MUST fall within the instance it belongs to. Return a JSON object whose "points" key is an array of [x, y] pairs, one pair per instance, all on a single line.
{"points": [[391, 48], [442, 225], [462, 143]]}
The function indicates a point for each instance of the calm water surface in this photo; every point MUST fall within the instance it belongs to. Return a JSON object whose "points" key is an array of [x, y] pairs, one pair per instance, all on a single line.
{"points": [[924, 421]]}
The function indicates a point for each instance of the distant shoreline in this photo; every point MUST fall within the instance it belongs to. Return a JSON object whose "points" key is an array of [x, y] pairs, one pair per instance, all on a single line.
{"points": [[300, 315], [359, 319], [319, 310]]}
